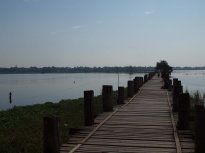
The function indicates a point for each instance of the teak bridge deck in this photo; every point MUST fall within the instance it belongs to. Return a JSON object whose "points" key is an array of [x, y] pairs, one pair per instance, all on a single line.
{"points": [[145, 124]]}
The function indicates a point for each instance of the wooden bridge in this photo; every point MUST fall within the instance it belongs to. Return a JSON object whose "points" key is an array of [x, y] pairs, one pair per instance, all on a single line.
{"points": [[144, 124]]}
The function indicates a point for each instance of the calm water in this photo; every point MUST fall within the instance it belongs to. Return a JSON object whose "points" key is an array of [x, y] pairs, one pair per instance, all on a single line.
{"points": [[192, 80], [39, 88]]}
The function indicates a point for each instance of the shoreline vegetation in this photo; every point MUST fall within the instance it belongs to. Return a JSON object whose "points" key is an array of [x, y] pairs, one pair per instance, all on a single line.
{"points": [[82, 69], [196, 98], [14, 122]]}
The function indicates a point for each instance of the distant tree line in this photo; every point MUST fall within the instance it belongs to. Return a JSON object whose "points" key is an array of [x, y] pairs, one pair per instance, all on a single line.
{"points": [[189, 68], [80, 69]]}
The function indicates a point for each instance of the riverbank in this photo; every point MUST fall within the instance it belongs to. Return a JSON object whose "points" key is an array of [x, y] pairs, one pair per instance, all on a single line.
{"points": [[21, 128]]}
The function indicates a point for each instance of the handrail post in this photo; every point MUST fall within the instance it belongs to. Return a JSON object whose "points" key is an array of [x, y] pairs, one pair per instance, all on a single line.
{"points": [[141, 81], [88, 107], [51, 143], [107, 98], [130, 88], [199, 129], [121, 95], [183, 111], [178, 89], [136, 84], [145, 78]]}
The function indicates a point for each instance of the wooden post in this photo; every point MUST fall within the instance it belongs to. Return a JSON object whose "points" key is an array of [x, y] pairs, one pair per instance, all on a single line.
{"points": [[175, 97], [141, 81], [136, 84], [174, 94], [183, 111], [199, 129], [175, 81], [130, 88], [170, 82], [145, 78], [51, 143], [107, 98], [149, 76], [121, 95], [88, 107], [179, 83], [170, 85]]}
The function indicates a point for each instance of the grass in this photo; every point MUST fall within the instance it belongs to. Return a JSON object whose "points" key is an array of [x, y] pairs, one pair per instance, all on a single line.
{"points": [[21, 128], [195, 99]]}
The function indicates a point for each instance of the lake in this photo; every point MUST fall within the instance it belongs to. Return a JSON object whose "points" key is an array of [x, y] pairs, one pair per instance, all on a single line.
{"points": [[192, 80], [30, 89]]}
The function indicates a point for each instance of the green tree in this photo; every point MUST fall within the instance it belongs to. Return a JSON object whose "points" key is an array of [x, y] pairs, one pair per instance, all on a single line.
{"points": [[164, 67]]}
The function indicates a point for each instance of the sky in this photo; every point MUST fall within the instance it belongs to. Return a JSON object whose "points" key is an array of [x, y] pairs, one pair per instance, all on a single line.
{"points": [[101, 32]]}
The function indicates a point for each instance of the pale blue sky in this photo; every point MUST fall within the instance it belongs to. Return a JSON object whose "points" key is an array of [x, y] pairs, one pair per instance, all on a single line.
{"points": [[101, 32]]}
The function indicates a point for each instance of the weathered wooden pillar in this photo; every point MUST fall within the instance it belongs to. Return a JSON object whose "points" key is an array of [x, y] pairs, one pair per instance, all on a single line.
{"points": [[136, 84], [149, 76], [51, 143], [121, 95], [175, 82], [183, 111], [170, 82], [88, 107], [141, 81], [175, 97], [145, 78], [199, 129], [174, 92], [179, 83], [130, 88], [170, 85], [107, 98]]}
